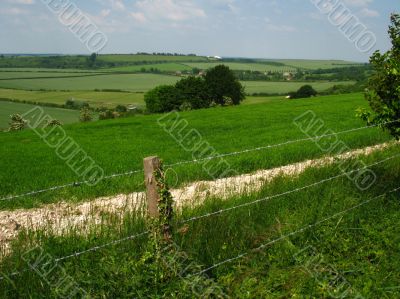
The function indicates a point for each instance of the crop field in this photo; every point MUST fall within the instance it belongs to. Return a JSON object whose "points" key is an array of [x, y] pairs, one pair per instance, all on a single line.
{"points": [[125, 142], [260, 67], [94, 98], [129, 82], [148, 58], [65, 116], [162, 67], [316, 64], [28, 75], [286, 87]]}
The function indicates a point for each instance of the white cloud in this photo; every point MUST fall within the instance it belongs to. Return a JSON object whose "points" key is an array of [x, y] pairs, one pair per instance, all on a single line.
{"points": [[15, 11], [366, 12], [358, 3], [28, 2], [280, 28], [139, 17], [171, 10], [105, 12]]}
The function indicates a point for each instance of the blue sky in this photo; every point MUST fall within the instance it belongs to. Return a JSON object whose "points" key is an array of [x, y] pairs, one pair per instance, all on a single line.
{"points": [[240, 28]]}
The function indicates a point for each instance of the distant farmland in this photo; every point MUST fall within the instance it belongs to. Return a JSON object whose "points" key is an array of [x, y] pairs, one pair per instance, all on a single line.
{"points": [[65, 116]]}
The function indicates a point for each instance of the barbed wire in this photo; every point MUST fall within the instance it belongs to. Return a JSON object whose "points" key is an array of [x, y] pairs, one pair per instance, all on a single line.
{"points": [[79, 253], [287, 192], [115, 242], [77, 184], [307, 227]]}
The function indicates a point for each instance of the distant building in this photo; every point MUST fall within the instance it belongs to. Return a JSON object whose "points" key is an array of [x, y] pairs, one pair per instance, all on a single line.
{"points": [[288, 76]]}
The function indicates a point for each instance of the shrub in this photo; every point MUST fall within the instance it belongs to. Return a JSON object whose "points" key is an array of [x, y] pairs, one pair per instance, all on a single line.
{"points": [[85, 115], [306, 91], [17, 123], [53, 123], [108, 114], [121, 108]]}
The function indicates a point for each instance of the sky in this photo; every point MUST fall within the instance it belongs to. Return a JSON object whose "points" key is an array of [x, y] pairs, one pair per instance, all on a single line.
{"points": [[294, 29]]}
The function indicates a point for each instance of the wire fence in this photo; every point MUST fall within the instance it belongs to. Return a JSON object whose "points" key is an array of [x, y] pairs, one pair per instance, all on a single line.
{"points": [[307, 227], [132, 172], [132, 237]]}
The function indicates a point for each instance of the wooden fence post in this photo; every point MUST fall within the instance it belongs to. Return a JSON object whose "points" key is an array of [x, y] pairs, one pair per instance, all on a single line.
{"points": [[151, 164]]}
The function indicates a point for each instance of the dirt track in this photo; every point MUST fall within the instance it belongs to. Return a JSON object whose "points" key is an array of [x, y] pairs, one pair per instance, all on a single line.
{"points": [[64, 216]]}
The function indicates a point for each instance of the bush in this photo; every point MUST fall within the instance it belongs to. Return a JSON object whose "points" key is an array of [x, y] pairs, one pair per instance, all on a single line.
{"points": [[108, 114], [306, 91], [121, 108], [17, 123], [85, 115], [53, 123]]}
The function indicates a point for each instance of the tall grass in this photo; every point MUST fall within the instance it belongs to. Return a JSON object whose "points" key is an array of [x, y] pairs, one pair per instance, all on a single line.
{"points": [[361, 244]]}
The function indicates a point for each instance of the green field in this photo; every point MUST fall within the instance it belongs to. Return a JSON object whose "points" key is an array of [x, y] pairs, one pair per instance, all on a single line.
{"points": [[286, 87], [148, 58], [120, 145], [65, 116], [162, 67], [331, 239], [27, 75], [94, 98], [316, 64], [243, 66], [129, 82]]}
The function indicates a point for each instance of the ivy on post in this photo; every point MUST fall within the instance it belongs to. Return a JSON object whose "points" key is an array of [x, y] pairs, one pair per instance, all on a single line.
{"points": [[159, 198]]}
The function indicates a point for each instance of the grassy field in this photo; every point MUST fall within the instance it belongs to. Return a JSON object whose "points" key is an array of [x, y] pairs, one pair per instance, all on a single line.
{"points": [[129, 82], [65, 116], [94, 98], [286, 87], [329, 240], [316, 64], [162, 67], [36, 75], [120, 146], [148, 58], [243, 66]]}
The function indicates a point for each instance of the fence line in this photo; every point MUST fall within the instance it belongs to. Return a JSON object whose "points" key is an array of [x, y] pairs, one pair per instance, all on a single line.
{"points": [[288, 192], [77, 184], [294, 233], [79, 253], [115, 242]]}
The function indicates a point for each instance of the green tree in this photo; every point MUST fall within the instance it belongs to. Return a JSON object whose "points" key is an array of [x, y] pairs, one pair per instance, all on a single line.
{"points": [[383, 92], [163, 98], [91, 60], [221, 82], [305, 91], [194, 91]]}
